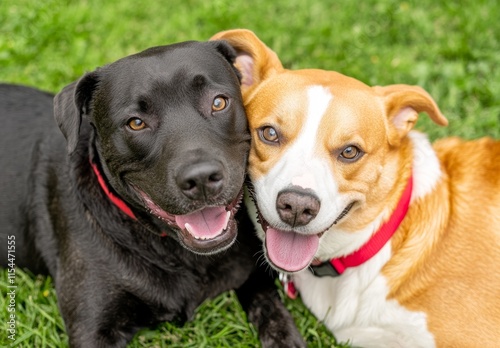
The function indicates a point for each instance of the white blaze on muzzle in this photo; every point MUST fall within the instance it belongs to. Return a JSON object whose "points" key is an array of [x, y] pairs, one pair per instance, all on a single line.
{"points": [[306, 181]]}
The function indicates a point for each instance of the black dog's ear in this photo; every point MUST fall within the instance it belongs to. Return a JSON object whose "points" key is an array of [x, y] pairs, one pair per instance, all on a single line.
{"points": [[228, 52], [71, 104]]}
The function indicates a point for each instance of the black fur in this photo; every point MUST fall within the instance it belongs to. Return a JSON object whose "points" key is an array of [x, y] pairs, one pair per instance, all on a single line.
{"points": [[113, 274]]}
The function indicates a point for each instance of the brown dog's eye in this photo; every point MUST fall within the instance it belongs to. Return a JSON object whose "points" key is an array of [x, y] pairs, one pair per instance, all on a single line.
{"points": [[350, 153], [269, 134], [136, 124], [219, 104]]}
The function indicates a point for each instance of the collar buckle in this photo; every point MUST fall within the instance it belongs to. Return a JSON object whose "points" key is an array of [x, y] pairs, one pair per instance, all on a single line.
{"points": [[324, 269]]}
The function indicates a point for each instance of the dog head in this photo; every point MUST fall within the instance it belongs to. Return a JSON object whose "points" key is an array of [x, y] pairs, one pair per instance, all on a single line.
{"points": [[329, 154], [170, 134]]}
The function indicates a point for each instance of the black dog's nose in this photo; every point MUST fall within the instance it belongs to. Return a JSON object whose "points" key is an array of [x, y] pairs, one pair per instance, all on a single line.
{"points": [[201, 180], [297, 207]]}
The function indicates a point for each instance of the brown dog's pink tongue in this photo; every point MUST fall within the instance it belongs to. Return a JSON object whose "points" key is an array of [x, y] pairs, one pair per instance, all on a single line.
{"points": [[290, 251], [206, 223]]}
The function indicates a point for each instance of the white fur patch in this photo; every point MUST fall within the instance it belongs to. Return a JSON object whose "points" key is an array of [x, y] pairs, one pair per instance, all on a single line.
{"points": [[336, 243], [355, 308], [426, 166]]}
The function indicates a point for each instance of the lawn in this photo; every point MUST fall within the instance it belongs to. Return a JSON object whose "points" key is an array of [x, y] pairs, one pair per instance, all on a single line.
{"points": [[452, 49]]}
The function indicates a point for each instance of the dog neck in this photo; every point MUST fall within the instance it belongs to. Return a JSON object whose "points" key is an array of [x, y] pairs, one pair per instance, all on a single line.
{"points": [[117, 201], [337, 266]]}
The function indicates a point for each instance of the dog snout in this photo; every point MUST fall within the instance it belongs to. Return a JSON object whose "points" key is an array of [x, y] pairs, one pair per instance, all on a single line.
{"points": [[297, 207], [202, 180]]}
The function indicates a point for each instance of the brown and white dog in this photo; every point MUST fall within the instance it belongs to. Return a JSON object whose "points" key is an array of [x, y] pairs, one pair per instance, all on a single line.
{"points": [[391, 241]]}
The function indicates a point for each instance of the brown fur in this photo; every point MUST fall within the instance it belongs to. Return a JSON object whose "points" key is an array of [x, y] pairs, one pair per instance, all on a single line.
{"points": [[445, 254]]}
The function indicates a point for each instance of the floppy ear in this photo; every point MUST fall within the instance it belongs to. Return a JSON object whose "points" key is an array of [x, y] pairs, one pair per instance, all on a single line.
{"points": [[254, 59], [228, 53], [71, 104], [402, 105]]}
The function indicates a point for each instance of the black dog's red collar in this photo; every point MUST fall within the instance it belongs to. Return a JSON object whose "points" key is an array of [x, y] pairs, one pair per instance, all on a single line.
{"points": [[117, 201], [112, 197], [337, 266]]}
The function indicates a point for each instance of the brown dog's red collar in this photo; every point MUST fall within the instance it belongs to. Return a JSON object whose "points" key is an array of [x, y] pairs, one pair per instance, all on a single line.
{"points": [[337, 266]]}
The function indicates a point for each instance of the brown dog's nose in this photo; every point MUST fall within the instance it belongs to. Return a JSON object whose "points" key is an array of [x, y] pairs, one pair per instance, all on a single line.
{"points": [[201, 181], [297, 207]]}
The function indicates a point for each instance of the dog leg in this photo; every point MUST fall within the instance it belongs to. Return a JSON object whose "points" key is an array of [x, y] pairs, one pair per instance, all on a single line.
{"points": [[97, 315], [260, 300]]}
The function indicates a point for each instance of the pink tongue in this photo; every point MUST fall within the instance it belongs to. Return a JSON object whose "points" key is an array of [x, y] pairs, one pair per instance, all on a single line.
{"points": [[206, 223], [290, 251]]}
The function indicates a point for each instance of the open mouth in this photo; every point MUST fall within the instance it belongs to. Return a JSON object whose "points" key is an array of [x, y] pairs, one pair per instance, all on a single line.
{"points": [[287, 250], [205, 231], [290, 251]]}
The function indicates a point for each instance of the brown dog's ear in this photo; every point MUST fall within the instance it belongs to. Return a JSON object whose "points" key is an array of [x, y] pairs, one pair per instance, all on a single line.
{"points": [[254, 60], [402, 105], [71, 104]]}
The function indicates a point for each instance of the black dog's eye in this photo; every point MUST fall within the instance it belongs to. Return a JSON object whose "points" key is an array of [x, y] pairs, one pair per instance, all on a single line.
{"points": [[351, 153], [268, 134], [219, 103], [136, 124]]}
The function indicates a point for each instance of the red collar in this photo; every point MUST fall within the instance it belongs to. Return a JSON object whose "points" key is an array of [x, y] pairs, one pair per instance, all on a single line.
{"points": [[337, 266], [117, 201], [112, 197]]}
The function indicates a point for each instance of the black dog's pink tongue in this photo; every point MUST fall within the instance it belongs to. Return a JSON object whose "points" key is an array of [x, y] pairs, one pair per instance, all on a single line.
{"points": [[290, 251], [206, 223]]}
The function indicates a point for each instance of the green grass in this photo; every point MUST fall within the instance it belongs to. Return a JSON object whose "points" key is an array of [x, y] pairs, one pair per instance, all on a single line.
{"points": [[218, 323], [452, 49]]}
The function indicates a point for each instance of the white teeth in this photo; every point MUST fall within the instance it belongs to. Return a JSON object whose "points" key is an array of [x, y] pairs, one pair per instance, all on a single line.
{"points": [[228, 215], [188, 227]]}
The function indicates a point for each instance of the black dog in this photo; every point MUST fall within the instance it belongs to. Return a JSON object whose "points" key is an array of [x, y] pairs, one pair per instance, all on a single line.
{"points": [[148, 178]]}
